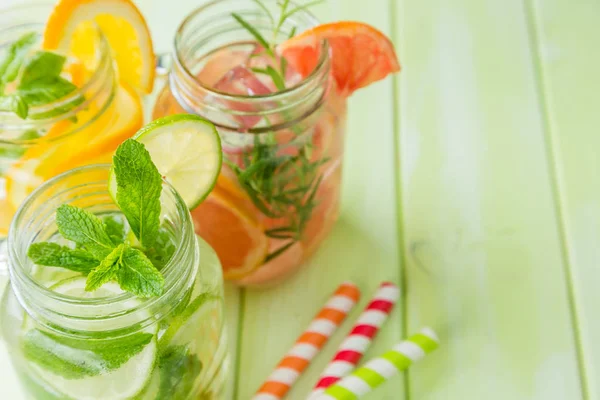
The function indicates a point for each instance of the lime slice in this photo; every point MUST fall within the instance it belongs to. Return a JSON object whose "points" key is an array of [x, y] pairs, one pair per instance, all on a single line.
{"points": [[186, 149], [152, 387], [124, 382], [204, 310]]}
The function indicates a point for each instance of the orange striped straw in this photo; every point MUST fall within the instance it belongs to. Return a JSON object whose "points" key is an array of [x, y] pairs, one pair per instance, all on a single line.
{"points": [[309, 343]]}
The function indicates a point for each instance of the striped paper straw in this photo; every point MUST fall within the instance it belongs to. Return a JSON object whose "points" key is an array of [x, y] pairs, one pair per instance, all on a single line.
{"points": [[360, 337], [309, 343], [379, 370]]}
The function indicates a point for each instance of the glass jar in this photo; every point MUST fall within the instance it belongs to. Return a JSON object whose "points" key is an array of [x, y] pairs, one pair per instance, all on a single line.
{"points": [[66, 343], [278, 194], [56, 138]]}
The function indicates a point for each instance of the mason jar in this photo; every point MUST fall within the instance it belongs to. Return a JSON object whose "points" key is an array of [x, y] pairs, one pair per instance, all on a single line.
{"points": [[278, 194], [65, 343], [55, 137]]}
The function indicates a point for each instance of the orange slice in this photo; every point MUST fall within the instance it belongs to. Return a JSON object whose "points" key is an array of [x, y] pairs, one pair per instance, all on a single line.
{"points": [[234, 233], [90, 143], [361, 54], [122, 123], [5, 217], [68, 28]]}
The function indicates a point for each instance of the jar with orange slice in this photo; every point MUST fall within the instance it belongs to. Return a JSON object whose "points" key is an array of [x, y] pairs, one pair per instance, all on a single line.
{"points": [[275, 83], [71, 81]]}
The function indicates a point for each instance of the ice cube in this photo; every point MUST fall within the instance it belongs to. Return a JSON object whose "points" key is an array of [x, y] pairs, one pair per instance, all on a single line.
{"points": [[220, 64], [241, 81]]}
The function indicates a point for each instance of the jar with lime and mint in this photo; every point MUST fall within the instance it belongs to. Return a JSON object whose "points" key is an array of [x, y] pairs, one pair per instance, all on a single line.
{"points": [[112, 295]]}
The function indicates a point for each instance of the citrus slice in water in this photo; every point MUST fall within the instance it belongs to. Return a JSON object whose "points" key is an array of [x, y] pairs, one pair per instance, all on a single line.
{"points": [[360, 56], [233, 231], [186, 149], [124, 382], [90, 143], [70, 28]]}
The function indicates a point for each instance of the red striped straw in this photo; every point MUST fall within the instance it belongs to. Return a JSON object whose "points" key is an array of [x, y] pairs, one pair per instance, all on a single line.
{"points": [[360, 338], [309, 343]]}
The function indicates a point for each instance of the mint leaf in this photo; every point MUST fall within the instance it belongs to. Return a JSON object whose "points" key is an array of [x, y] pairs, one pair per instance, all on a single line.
{"points": [[11, 63], [114, 352], [75, 358], [14, 151], [139, 186], [59, 358], [106, 271], [137, 275], [179, 369], [47, 90], [14, 103], [85, 229], [43, 64], [162, 251], [55, 255], [115, 229]]}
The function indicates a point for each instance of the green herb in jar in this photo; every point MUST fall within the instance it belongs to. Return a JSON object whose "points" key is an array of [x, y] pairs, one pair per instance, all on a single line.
{"points": [[102, 249], [33, 79]]}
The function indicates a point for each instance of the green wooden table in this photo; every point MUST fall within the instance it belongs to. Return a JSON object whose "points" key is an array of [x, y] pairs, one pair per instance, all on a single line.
{"points": [[471, 180]]}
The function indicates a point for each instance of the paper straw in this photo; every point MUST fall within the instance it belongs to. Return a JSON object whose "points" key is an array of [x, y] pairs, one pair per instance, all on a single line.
{"points": [[360, 337], [379, 370], [309, 343]]}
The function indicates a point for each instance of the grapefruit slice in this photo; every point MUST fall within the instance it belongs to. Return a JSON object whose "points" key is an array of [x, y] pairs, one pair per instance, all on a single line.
{"points": [[236, 234], [360, 53]]}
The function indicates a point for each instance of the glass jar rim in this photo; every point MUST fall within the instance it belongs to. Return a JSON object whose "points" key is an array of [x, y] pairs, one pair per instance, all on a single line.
{"points": [[169, 271], [322, 63], [10, 121]]}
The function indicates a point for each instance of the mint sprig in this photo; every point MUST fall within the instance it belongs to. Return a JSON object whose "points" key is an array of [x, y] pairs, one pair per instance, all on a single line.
{"points": [[107, 270], [39, 83], [103, 250], [138, 190]]}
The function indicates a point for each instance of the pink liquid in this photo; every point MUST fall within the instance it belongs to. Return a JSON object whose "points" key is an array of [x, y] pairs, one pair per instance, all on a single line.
{"points": [[320, 147]]}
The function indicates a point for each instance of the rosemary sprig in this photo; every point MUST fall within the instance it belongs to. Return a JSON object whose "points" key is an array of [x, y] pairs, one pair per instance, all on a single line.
{"points": [[279, 186], [284, 13]]}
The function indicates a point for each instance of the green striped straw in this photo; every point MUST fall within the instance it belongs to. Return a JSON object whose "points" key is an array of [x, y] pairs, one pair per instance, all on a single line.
{"points": [[380, 369]]}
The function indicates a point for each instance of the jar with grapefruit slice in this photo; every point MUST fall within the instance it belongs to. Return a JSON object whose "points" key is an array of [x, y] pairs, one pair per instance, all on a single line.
{"points": [[275, 83], [106, 58]]}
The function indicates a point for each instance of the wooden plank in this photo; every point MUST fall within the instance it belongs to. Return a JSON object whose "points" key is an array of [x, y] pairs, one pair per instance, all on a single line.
{"points": [[565, 37], [362, 247], [482, 242]]}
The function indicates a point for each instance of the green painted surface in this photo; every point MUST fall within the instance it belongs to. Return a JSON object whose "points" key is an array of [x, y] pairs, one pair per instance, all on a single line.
{"points": [[471, 181], [568, 64], [485, 262]]}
